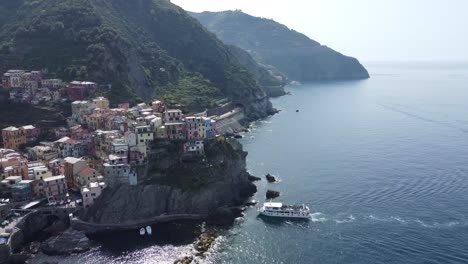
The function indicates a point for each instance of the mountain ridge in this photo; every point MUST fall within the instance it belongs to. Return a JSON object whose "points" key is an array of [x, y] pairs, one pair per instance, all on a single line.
{"points": [[269, 42]]}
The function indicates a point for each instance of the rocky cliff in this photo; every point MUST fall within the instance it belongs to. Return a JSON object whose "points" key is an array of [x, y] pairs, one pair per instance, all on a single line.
{"points": [[200, 187], [297, 56]]}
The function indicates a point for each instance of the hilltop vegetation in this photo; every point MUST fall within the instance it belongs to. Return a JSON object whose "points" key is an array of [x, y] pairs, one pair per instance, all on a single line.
{"points": [[144, 48], [271, 43]]}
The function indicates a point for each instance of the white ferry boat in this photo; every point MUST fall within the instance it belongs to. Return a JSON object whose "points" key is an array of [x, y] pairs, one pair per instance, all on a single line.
{"points": [[284, 210]]}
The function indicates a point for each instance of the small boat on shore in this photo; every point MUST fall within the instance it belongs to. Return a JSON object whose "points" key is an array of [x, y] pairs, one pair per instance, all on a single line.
{"points": [[281, 210], [149, 231]]}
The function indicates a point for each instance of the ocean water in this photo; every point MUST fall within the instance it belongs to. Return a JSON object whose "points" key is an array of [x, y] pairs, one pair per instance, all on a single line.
{"points": [[383, 163]]}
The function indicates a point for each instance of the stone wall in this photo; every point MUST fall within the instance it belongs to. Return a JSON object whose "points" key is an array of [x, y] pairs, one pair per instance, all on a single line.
{"points": [[230, 122]]}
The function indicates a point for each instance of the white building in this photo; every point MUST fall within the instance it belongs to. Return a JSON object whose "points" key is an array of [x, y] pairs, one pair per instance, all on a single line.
{"points": [[194, 147], [115, 174], [144, 135], [130, 139], [91, 192], [44, 153], [40, 173]]}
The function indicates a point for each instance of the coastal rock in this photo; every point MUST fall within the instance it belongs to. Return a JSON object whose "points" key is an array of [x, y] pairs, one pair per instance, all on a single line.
{"points": [[270, 178], [272, 194], [202, 190], [254, 178], [69, 242], [184, 260]]}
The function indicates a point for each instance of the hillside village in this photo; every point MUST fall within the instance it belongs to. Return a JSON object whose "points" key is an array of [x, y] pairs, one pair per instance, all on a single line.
{"points": [[99, 148]]}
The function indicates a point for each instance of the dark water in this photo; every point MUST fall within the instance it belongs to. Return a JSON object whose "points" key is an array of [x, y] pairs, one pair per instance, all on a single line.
{"points": [[382, 162]]}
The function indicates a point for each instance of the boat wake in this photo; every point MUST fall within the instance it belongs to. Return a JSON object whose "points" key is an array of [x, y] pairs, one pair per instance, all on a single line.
{"points": [[419, 114], [348, 219], [406, 221], [318, 217]]}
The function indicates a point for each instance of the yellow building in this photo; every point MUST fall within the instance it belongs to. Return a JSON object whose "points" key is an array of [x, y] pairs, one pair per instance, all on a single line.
{"points": [[101, 102], [13, 138]]}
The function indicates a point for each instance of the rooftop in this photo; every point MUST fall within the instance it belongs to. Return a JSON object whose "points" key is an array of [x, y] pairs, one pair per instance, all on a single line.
{"points": [[86, 171], [11, 129], [26, 182], [174, 123], [72, 160], [71, 141], [54, 178], [62, 140], [80, 102], [28, 127], [13, 178]]}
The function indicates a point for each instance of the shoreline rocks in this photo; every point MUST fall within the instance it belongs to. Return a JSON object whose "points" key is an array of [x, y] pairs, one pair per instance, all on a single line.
{"points": [[200, 246], [254, 178], [270, 194], [69, 242]]}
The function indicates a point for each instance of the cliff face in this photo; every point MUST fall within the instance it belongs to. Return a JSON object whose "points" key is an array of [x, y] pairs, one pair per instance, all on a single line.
{"points": [[144, 48], [297, 56], [173, 187]]}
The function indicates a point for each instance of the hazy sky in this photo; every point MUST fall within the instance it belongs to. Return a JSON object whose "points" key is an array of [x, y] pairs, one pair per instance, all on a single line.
{"points": [[367, 29]]}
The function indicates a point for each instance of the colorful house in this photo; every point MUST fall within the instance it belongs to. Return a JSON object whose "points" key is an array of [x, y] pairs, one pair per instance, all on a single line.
{"points": [[86, 176], [174, 115], [196, 129], [51, 83], [176, 130], [73, 166], [31, 133], [13, 138], [77, 90], [55, 188], [144, 135], [158, 106], [101, 102]]}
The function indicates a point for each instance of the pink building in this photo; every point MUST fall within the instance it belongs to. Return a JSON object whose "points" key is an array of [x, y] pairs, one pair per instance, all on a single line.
{"points": [[77, 91], [195, 128], [173, 116], [176, 130], [31, 133], [55, 188]]}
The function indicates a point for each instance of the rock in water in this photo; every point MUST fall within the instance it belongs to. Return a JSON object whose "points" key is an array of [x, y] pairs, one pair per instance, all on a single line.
{"points": [[253, 178], [272, 194], [270, 178], [69, 242]]}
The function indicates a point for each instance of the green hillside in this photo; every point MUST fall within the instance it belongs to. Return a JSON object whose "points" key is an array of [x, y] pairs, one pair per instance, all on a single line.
{"points": [[297, 56], [144, 48]]}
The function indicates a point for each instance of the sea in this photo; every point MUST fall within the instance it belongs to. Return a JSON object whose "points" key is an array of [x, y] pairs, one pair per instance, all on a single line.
{"points": [[383, 164]]}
